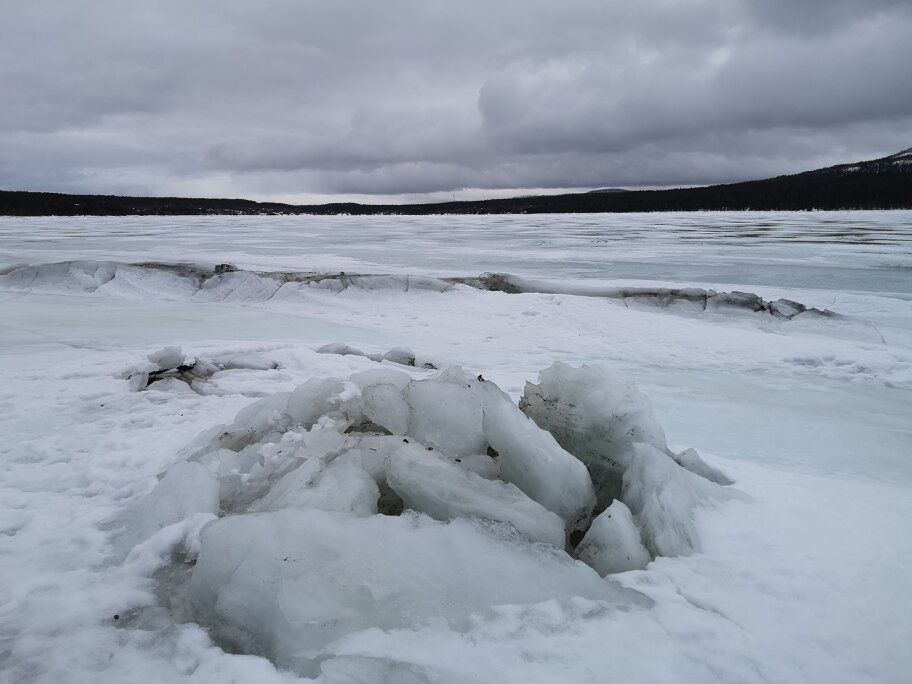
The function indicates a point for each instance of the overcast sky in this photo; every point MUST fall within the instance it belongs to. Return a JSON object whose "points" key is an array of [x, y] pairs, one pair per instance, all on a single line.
{"points": [[303, 100]]}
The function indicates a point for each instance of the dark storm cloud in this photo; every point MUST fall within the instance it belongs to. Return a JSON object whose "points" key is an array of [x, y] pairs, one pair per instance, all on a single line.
{"points": [[290, 97]]}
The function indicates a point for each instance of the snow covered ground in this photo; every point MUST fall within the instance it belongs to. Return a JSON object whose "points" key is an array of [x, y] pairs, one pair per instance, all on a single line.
{"points": [[806, 579]]}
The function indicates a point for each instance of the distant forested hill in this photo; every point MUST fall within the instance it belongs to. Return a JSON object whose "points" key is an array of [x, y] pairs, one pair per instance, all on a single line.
{"points": [[876, 184]]}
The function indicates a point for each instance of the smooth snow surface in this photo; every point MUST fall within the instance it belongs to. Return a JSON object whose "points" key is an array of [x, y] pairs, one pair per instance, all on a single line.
{"points": [[163, 424]]}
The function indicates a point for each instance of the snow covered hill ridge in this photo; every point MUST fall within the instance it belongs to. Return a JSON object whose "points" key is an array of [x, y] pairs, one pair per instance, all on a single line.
{"points": [[355, 503], [898, 163]]}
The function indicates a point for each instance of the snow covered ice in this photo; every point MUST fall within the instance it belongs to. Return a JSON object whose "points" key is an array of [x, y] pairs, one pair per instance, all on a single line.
{"points": [[609, 473]]}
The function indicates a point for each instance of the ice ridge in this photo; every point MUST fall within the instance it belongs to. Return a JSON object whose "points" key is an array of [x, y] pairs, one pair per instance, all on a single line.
{"points": [[227, 283]]}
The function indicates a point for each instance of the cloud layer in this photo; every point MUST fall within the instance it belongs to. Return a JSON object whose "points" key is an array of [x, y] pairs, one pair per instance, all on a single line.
{"points": [[301, 100]]}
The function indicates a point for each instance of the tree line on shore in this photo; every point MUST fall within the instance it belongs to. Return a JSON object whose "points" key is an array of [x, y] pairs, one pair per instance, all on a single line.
{"points": [[878, 184]]}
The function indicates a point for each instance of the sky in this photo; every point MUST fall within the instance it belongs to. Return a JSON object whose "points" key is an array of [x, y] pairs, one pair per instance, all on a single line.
{"points": [[407, 100]]}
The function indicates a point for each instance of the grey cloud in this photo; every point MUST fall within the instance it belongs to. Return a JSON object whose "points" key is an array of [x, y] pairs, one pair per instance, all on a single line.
{"points": [[291, 97], [582, 104], [819, 16]]}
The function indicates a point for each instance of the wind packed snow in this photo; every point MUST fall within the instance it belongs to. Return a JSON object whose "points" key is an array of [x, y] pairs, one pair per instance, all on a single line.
{"points": [[639, 448]]}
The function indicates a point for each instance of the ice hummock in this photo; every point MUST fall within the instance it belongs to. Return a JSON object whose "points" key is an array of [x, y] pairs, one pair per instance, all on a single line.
{"points": [[458, 415], [606, 422], [309, 485], [598, 417]]}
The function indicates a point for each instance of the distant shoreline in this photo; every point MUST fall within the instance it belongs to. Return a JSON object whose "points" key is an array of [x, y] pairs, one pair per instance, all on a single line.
{"points": [[880, 184]]}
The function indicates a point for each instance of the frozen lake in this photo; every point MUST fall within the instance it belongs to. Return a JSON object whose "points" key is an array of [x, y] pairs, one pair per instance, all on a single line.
{"points": [[811, 416], [864, 251]]}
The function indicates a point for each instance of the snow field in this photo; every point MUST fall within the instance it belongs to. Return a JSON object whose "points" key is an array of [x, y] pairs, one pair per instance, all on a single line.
{"points": [[803, 578]]}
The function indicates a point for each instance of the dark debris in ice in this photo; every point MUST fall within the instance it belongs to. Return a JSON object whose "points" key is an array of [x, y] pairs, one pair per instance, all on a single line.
{"points": [[171, 364]]}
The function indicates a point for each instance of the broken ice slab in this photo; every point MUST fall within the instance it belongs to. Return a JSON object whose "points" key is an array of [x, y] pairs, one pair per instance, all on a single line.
{"points": [[290, 583], [613, 542], [428, 482], [597, 416]]}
